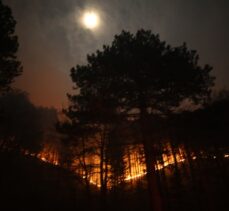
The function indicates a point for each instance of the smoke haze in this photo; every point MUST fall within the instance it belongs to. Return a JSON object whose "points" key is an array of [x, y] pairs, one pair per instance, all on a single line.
{"points": [[52, 40]]}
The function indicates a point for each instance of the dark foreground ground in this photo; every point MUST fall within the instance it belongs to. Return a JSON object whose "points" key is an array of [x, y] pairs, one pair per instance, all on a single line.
{"points": [[28, 184]]}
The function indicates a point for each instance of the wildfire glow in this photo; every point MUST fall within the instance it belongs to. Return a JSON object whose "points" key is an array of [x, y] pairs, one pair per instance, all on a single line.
{"points": [[135, 176], [134, 161], [135, 165], [49, 155]]}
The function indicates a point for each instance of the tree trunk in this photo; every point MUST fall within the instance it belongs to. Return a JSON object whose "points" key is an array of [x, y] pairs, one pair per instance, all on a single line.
{"points": [[177, 175], [87, 176], [129, 164], [150, 159], [103, 182], [153, 188]]}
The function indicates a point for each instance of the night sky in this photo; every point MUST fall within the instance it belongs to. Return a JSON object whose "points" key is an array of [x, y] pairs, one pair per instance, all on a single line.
{"points": [[52, 40]]}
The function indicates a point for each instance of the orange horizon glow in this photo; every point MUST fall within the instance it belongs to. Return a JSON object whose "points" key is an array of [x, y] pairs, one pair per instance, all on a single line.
{"points": [[135, 170]]}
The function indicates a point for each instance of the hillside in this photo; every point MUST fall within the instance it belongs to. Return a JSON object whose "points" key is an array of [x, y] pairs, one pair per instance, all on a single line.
{"points": [[30, 184]]}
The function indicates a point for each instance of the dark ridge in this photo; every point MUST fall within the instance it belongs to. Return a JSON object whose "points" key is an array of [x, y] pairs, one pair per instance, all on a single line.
{"points": [[30, 184]]}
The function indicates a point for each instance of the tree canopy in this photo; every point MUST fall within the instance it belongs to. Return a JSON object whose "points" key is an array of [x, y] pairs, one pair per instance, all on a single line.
{"points": [[10, 67], [142, 72]]}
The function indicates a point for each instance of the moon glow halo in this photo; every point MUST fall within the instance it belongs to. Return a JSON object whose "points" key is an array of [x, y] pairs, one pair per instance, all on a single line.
{"points": [[90, 20]]}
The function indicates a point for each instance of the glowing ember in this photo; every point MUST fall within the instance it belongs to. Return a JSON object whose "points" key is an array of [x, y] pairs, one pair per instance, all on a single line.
{"points": [[44, 159], [194, 157], [135, 176], [49, 155]]}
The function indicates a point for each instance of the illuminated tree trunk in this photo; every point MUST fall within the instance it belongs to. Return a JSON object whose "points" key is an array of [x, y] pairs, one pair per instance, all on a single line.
{"points": [[129, 163], [103, 171], [176, 168], [164, 181], [87, 176]]}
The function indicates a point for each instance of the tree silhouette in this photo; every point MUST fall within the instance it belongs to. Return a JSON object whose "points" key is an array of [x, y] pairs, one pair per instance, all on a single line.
{"points": [[144, 79], [203, 135], [92, 116], [21, 126], [76, 143], [10, 67]]}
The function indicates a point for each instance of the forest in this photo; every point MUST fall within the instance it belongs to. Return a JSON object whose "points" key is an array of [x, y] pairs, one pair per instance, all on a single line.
{"points": [[144, 129]]}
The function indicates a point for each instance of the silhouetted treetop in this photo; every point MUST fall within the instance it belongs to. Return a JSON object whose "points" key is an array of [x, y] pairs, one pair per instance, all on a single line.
{"points": [[142, 71], [21, 125], [10, 67]]}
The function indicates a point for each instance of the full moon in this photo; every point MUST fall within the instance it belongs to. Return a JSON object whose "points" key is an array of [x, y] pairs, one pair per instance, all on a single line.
{"points": [[90, 20]]}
